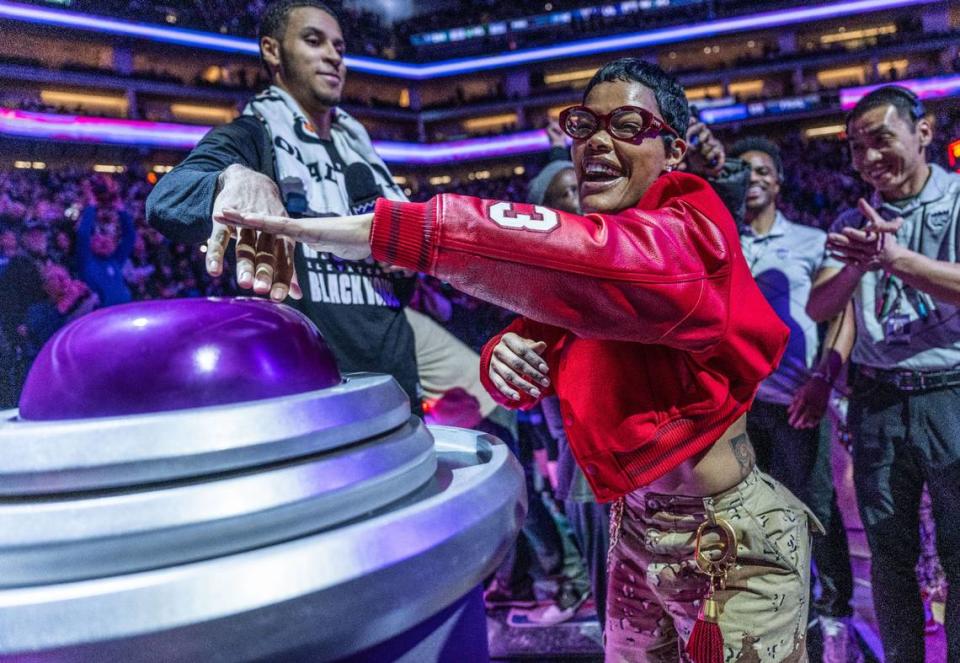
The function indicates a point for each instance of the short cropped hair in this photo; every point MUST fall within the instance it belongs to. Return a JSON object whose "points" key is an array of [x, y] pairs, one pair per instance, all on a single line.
{"points": [[273, 21], [907, 104], [758, 144], [670, 96]]}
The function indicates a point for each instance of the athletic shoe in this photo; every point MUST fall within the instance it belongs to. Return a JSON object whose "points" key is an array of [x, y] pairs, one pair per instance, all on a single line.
{"points": [[839, 645], [497, 597], [566, 603]]}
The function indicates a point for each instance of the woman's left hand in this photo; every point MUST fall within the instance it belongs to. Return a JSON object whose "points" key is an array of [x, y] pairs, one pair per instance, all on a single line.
{"points": [[347, 237]]}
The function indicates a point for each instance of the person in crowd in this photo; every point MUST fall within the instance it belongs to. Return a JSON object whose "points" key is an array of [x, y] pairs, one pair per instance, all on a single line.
{"points": [[555, 186], [21, 283], [895, 258], [67, 298], [35, 240], [541, 543], [105, 238], [643, 318], [289, 153], [9, 246], [61, 251], [786, 423]]}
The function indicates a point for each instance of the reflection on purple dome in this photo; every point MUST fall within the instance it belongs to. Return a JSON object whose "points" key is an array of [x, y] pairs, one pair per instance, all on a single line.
{"points": [[176, 354]]}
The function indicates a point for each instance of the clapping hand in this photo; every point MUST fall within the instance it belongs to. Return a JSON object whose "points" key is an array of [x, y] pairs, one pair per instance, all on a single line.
{"points": [[872, 247]]}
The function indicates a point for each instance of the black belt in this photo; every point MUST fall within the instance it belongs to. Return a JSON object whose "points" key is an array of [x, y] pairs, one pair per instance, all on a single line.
{"points": [[906, 380]]}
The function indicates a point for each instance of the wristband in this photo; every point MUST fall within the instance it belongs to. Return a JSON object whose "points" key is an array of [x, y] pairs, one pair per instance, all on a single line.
{"points": [[822, 376]]}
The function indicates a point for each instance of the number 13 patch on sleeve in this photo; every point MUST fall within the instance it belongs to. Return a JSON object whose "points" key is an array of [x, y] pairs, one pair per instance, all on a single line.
{"points": [[516, 216]]}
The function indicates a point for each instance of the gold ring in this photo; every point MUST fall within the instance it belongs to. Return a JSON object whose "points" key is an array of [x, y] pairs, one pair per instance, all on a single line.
{"points": [[729, 541]]}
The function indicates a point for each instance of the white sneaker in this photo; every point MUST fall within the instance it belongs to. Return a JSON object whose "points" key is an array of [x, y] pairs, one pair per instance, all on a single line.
{"points": [[839, 645], [555, 614]]}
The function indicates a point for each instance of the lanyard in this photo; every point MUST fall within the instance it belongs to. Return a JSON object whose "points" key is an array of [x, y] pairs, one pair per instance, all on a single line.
{"points": [[884, 303]]}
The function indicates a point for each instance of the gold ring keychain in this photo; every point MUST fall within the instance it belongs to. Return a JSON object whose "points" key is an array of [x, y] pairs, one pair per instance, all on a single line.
{"points": [[717, 568], [706, 640]]}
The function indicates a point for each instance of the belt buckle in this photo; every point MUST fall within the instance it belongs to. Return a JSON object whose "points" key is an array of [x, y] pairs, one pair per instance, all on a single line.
{"points": [[900, 380], [913, 381], [904, 380]]}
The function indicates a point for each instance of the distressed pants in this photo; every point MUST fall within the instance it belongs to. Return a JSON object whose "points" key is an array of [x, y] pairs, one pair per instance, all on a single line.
{"points": [[655, 588]]}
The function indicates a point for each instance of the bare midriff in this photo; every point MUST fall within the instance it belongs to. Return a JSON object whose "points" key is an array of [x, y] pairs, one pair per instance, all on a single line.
{"points": [[718, 468]]}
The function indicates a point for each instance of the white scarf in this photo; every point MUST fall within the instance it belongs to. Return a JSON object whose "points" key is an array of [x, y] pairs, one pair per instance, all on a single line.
{"points": [[311, 183]]}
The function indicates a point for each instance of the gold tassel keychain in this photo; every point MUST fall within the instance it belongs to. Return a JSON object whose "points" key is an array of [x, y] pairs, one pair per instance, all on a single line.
{"points": [[706, 640]]}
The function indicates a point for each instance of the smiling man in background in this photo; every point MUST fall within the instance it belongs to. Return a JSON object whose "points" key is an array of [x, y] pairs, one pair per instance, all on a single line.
{"points": [[786, 423], [896, 259]]}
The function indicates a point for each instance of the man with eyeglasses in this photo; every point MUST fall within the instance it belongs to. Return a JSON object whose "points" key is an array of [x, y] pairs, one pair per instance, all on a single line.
{"points": [[643, 318]]}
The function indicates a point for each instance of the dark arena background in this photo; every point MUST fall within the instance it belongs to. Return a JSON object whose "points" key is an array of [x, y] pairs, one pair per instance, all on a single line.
{"points": [[313, 517]]}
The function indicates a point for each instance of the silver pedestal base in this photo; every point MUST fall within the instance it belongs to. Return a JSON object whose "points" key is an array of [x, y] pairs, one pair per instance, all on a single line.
{"points": [[337, 591]]}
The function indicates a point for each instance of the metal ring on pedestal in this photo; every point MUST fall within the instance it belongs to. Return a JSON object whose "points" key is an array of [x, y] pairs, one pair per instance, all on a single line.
{"points": [[87, 536], [49, 457]]}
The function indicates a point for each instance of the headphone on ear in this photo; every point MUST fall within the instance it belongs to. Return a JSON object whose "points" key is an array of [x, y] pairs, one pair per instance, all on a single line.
{"points": [[917, 110]]}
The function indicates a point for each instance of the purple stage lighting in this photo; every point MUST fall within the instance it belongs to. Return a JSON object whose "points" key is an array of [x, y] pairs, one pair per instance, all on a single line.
{"points": [[102, 24], [82, 129], [75, 128], [767, 20], [464, 150], [924, 88]]}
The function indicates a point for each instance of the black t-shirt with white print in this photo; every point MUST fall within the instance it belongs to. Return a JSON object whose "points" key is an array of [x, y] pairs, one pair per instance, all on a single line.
{"points": [[357, 306]]}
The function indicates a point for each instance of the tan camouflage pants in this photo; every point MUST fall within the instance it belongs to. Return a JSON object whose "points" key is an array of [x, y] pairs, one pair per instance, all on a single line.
{"points": [[655, 588]]}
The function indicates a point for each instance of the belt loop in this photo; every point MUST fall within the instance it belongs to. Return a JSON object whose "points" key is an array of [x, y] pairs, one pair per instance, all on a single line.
{"points": [[616, 524], [711, 510]]}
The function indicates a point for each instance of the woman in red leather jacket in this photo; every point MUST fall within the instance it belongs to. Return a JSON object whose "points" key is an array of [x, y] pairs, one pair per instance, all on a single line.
{"points": [[643, 318]]}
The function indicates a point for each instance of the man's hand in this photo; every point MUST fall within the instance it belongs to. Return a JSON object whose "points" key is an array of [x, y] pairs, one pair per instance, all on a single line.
{"points": [[556, 135], [706, 155], [810, 403], [874, 246], [347, 237], [516, 362], [264, 262]]}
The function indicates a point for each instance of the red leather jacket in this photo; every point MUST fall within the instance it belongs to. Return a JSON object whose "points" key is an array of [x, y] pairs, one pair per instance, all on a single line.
{"points": [[657, 334]]}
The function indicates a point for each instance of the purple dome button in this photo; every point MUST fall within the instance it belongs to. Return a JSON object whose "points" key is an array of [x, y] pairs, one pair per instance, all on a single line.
{"points": [[176, 354]]}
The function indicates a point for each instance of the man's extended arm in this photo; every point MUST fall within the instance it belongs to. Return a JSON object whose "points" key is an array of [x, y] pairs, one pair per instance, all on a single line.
{"points": [[88, 218], [181, 205]]}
